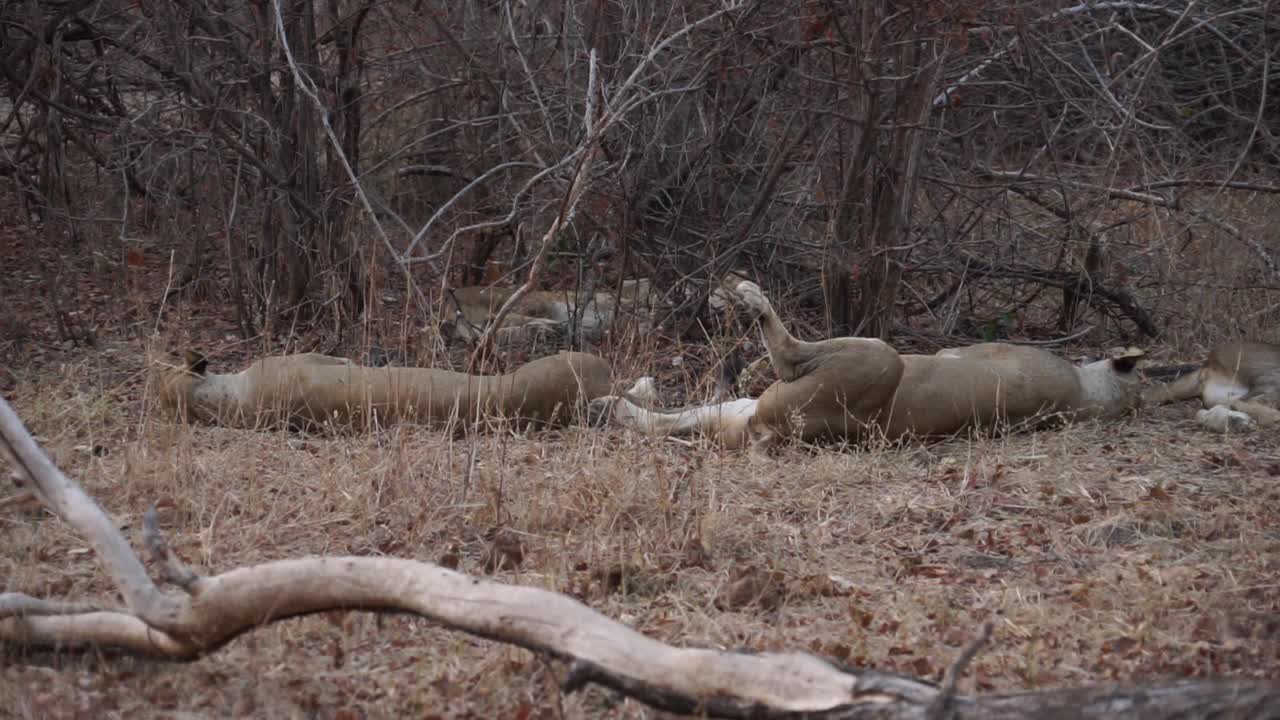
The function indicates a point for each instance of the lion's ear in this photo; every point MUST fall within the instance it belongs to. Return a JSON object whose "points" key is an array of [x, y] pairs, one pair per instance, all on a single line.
{"points": [[195, 362], [1126, 360]]}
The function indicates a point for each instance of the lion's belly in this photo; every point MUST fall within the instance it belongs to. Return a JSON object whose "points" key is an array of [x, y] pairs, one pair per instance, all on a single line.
{"points": [[1219, 391], [355, 395], [941, 395], [944, 413]]}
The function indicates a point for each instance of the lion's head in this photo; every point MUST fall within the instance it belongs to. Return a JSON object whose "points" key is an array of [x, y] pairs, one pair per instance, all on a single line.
{"points": [[175, 379]]}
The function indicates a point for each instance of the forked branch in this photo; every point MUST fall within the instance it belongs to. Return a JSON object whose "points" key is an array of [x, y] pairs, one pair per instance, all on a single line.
{"points": [[568, 208], [712, 683]]}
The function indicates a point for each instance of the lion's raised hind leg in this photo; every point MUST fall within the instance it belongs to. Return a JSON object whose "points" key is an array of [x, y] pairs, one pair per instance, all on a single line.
{"points": [[786, 353], [1184, 388]]}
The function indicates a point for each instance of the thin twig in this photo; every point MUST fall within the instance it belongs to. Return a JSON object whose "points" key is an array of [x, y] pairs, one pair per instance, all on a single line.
{"points": [[938, 709], [304, 83], [569, 206], [21, 498], [1054, 341]]}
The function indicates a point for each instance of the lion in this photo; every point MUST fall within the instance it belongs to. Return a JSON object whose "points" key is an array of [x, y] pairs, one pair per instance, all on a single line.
{"points": [[855, 389], [1239, 386], [310, 390], [541, 312]]}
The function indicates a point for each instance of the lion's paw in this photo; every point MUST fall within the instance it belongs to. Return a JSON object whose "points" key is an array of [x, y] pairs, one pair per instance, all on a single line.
{"points": [[752, 296], [719, 299], [644, 391], [1223, 419]]}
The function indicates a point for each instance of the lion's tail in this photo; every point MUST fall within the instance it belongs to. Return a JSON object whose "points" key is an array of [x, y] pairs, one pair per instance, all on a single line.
{"points": [[731, 369]]}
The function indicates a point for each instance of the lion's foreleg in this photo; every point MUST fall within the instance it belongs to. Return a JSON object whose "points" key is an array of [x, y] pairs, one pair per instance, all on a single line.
{"points": [[1184, 388], [726, 421], [1264, 415], [644, 393], [1222, 418]]}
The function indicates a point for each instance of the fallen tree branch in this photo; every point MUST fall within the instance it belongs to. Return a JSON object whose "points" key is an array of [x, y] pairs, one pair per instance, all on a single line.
{"points": [[174, 570], [1053, 341], [710, 683], [67, 500]]}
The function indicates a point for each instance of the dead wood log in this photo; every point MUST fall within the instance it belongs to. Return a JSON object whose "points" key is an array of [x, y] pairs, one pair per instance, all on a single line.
{"points": [[210, 611]]}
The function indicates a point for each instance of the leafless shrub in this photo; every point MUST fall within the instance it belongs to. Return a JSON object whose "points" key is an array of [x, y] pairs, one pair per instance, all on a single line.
{"points": [[929, 168]]}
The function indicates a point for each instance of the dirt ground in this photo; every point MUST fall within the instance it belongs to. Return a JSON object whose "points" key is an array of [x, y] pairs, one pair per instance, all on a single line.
{"points": [[1137, 549]]}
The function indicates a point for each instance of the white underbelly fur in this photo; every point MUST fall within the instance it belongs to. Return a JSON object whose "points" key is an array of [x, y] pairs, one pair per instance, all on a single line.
{"points": [[1220, 392]]}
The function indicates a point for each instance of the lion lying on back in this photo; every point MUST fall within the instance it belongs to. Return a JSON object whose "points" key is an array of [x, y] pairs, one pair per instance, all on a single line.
{"points": [[1239, 385], [544, 311], [310, 389], [856, 388]]}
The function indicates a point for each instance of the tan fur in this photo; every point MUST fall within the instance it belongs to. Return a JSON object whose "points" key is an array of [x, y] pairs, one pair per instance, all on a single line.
{"points": [[311, 389], [854, 388], [542, 311], [1239, 386]]}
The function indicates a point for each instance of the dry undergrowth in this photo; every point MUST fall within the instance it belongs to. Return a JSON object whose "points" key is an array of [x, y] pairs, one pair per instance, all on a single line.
{"points": [[1135, 549]]}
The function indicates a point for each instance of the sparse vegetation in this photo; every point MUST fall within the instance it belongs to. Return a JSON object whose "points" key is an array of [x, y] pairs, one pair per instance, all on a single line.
{"points": [[936, 173], [1101, 552]]}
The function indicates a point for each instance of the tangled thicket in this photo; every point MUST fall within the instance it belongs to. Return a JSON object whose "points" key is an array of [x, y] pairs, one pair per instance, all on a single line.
{"points": [[948, 166]]}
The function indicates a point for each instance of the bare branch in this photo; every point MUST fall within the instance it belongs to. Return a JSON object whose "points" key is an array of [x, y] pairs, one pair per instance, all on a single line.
{"points": [[309, 89], [568, 208], [69, 502], [939, 707]]}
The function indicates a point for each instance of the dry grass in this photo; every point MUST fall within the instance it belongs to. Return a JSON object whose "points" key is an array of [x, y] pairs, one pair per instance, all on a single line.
{"points": [[1101, 551], [1136, 549]]}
